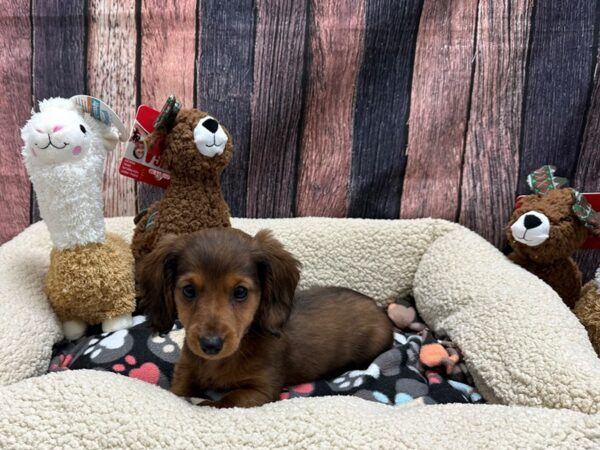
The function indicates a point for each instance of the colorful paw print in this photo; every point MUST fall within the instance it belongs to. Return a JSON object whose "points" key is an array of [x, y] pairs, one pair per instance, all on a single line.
{"points": [[148, 372], [64, 361], [354, 378], [300, 390], [109, 348]]}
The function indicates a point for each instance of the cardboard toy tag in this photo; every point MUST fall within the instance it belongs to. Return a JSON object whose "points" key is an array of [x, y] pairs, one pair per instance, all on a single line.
{"points": [[101, 112], [593, 198], [140, 162]]}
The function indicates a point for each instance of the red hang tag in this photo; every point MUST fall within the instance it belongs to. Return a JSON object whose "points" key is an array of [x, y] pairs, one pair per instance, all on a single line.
{"points": [[592, 242], [140, 162]]}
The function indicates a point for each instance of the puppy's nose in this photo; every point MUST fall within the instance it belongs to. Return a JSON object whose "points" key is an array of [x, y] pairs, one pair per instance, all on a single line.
{"points": [[531, 221], [211, 125], [211, 345]]}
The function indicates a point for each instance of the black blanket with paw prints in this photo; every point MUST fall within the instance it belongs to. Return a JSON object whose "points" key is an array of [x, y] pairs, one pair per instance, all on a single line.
{"points": [[418, 369]]}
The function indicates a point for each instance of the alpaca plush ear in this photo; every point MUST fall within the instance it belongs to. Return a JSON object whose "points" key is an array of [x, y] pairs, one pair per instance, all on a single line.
{"points": [[279, 273], [156, 274], [110, 138]]}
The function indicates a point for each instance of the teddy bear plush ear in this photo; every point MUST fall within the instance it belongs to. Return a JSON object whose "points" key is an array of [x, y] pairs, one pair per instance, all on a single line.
{"points": [[542, 180], [585, 213]]}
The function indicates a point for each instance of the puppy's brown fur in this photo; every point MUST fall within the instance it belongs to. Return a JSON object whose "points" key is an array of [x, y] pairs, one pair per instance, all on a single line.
{"points": [[272, 338]]}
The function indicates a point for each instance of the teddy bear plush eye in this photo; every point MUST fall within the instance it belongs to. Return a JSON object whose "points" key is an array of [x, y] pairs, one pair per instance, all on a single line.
{"points": [[82, 128]]}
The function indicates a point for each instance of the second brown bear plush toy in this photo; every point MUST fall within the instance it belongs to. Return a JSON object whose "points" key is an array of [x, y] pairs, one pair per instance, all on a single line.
{"points": [[196, 150], [547, 228]]}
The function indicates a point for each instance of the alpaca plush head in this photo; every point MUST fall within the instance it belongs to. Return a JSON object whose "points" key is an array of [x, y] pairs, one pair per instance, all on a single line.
{"points": [[553, 222], [61, 133]]}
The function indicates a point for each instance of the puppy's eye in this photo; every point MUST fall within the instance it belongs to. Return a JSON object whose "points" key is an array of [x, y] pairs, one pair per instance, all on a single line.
{"points": [[82, 128], [188, 291], [240, 293]]}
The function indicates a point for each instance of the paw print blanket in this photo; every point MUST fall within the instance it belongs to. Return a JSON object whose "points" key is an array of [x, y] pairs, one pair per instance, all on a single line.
{"points": [[418, 369]]}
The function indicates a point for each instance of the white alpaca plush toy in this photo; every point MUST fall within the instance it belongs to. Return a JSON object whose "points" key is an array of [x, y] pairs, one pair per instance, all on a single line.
{"points": [[90, 279]]}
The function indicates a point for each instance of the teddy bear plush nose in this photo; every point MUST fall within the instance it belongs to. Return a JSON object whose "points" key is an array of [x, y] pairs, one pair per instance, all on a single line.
{"points": [[531, 221], [211, 125]]}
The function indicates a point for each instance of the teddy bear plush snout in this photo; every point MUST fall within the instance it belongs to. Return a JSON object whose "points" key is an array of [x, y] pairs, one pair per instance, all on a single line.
{"points": [[532, 228], [209, 137]]}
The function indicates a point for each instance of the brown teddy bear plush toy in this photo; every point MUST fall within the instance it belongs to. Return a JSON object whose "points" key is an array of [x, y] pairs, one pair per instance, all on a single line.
{"points": [[196, 150], [587, 310], [547, 228]]}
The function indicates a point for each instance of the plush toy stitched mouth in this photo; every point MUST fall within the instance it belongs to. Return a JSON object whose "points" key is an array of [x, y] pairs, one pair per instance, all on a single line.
{"points": [[51, 144]]}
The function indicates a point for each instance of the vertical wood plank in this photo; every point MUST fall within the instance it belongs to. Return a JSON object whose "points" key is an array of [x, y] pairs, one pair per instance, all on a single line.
{"points": [[439, 109], [382, 103], [558, 85], [59, 68], [587, 173], [15, 106], [491, 163], [226, 46], [167, 62], [336, 32], [111, 64], [276, 107]]}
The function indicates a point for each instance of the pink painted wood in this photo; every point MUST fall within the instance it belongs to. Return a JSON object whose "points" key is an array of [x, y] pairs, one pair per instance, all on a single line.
{"points": [[111, 62], [167, 62], [336, 32], [15, 107], [439, 108]]}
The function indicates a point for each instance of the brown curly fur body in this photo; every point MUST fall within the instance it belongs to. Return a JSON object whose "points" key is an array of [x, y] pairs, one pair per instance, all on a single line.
{"points": [[274, 337], [93, 282], [551, 260], [587, 310], [193, 200]]}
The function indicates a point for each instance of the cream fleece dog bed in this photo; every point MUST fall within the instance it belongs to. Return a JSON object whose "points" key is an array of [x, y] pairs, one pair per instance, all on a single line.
{"points": [[522, 345]]}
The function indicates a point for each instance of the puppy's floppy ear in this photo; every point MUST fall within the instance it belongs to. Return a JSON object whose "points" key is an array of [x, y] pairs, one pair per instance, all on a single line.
{"points": [[279, 273], [156, 273]]}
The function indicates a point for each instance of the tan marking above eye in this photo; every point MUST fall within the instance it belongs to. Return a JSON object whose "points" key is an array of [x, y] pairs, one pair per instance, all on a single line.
{"points": [[234, 279], [193, 278]]}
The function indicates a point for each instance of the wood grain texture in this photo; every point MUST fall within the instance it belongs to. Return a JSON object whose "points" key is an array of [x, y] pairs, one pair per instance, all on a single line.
{"points": [[111, 63], [439, 109], [59, 50], [167, 62], [558, 85], [491, 162], [335, 34], [276, 107], [587, 173], [226, 47], [382, 103], [15, 106]]}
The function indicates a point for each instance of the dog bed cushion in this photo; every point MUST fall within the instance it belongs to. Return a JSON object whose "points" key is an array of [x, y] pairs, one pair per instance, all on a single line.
{"points": [[523, 347], [395, 377]]}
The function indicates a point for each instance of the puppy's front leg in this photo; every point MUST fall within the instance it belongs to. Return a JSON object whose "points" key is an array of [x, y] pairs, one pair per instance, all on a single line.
{"points": [[245, 398], [183, 381]]}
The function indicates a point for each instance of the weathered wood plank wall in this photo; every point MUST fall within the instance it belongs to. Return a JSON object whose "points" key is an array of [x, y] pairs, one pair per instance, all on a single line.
{"points": [[59, 54], [359, 108], [111, 68], [15, 104]]}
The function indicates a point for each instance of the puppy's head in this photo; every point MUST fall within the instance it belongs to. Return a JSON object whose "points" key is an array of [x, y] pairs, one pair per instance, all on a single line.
{"points": [[220, 282]]}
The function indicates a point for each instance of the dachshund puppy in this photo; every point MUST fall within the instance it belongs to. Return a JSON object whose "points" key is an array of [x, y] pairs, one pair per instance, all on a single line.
{"points": [[247, 331]]}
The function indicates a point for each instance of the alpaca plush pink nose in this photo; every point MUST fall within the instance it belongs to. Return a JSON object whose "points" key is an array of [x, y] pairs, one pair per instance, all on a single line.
{"points": [[56, 128]]}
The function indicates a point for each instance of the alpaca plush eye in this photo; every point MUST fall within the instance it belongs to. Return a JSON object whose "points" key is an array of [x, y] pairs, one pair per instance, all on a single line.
{"points": [[240, 293], [188, 291], [82, 128]]}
